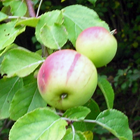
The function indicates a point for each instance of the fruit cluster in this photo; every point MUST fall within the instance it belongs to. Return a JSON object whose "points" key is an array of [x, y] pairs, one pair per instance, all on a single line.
{"points": [[68, 78]]}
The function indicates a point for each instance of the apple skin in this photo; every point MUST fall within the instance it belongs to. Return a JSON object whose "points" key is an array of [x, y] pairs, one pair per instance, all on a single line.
{"points": [[98, 44], [67, 79]]}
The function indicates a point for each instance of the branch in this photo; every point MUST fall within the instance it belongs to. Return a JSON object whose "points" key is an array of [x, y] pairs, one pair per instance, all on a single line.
{"points": [[30, 8], [136, 134]]}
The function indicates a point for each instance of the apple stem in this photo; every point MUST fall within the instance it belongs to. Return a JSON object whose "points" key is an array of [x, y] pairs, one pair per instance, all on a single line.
{"points": [[113, 32], [63, 96]]}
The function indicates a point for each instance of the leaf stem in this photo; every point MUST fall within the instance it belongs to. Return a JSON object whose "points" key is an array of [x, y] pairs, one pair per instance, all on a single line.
{"points": [[88, 121], [15, 17], [73, 131], [39, 8]]}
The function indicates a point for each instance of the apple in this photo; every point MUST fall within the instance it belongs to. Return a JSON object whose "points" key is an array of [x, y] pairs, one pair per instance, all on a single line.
{"points": [[98, 44], [67, 79]]}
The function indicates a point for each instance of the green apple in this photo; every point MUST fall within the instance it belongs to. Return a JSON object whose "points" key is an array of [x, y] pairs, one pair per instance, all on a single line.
{"points": [[67, 79], [98, 44]]}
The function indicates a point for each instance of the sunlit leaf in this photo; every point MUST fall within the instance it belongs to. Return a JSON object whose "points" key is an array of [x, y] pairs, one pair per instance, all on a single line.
{"points": [[41, 123], [48, 19], [20, 62], [32, 22], [77, 18], [25, 100], [77, 113], [2, 16], [17, 7], [54, 36], [115, 122], [8, 33]]}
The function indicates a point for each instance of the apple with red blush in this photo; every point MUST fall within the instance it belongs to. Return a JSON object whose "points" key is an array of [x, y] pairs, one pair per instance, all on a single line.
{"points": [[67, 79], [98, 44]]}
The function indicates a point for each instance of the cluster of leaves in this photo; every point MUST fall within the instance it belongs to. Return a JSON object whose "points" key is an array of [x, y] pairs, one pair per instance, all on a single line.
{"points": [[19, 97], [126, 79]]}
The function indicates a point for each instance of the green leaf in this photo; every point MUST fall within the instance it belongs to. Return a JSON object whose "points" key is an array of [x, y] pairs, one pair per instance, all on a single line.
{"points": [[107, 91], [70, 135], [54, 36], [11, 46], [17, 7], [25, 100], [3, 16], [115, 122], [8, 33], [8, 87], [41, 123], [88, 135], [77, 18], [48, 19], [77, 113], [92, 1], [20, 62], [32, 22], [95, 110]]}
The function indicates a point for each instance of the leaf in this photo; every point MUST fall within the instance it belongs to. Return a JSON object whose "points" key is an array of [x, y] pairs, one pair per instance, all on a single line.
{"points": [[88, 135], [25, 100], [92, 1], [70, 135], [3, 16], [8, 33], [32, 22], [3, 52], [94, 112], [18, 7], [8, 87], [20, 62], [41, 123], [48, 19], [54, 36], [77, 18], [77, 113], [115, 122], [107, 91]]}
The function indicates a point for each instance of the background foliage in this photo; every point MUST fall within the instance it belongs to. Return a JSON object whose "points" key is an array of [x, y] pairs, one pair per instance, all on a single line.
{"points": [[123, 72]]}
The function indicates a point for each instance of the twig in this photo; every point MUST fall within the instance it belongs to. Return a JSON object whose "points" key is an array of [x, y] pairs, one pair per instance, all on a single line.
{"points": [[45, 52], [30, 8], [4, 123], [136, 134]]}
